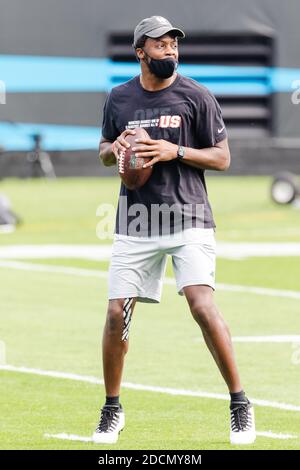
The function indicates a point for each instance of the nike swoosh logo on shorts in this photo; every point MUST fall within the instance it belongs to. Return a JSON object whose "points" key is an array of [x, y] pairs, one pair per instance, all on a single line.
{"points": [[220, 130]]}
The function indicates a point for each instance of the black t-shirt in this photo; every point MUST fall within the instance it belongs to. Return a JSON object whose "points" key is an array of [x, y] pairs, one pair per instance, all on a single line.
{"points": [[185, 113]]}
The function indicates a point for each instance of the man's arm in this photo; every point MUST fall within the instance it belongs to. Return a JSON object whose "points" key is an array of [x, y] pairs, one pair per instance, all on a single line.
{"points": [[211, 158], [106, 153]]}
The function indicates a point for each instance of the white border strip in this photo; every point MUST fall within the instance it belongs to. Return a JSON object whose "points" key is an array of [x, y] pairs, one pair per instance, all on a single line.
{"points": [[74, 437], [225, 249], [69, 437], [273, 435], [168, 280], [148, 388], [267, 339], [261, 339]]}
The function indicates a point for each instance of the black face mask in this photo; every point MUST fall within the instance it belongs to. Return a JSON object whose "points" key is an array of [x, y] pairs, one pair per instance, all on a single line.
{"points": [[162, 68]]}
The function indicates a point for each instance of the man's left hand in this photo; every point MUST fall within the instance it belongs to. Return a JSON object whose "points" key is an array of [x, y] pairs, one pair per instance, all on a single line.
{"points": [[161, 150]]}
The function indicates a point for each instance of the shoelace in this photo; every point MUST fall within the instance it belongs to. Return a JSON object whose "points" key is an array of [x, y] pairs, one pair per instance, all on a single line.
{"points": [[240, 415], [108, 419]]}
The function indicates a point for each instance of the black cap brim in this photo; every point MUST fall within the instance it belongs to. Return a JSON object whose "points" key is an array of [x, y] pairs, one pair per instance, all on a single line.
{"points": [[162, 30]]}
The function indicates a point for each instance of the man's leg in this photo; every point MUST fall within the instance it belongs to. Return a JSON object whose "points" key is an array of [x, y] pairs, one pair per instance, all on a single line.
{"points": [[115, 343], [217, 337], [115, 346], [215, 331]]}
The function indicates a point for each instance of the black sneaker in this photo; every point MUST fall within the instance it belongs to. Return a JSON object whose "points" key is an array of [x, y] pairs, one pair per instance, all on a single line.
{"points": [[112, 421], [242, 424]]}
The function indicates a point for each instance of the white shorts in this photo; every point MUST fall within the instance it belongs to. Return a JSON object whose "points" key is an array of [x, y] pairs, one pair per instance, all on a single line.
{"points": [[138, 264]]}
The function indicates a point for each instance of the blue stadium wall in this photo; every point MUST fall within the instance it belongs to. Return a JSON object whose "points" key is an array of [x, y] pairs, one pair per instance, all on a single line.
{"points": [[56, 65]]}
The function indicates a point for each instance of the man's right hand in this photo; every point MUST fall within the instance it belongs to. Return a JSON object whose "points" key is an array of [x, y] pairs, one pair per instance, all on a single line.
{"points": [[120, 145]]}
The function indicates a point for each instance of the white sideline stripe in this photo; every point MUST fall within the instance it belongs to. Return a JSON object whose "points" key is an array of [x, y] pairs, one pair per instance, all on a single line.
{"points": [[91, 252], [262, 339], [69, 437], [147, 388], [236, 250], [47, 268], [54, 374], [260, 291], [272, 435], [242, 250], [261, 232], [168, 280], [74, 437]]}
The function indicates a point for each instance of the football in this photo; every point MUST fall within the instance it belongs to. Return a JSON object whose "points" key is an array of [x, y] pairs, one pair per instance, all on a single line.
{"points": [[130, 167]]}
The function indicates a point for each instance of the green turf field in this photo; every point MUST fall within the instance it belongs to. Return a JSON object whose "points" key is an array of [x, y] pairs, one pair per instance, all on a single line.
{"points": [[52, 321]]}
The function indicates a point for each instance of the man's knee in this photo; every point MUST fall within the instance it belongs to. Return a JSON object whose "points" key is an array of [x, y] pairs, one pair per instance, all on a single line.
{"points": [[114, 319], [119, 317], [205, 312]]}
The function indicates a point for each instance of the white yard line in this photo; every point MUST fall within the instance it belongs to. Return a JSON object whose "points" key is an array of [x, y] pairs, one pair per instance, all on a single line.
{"points": [[91, 252], [273, 435], [68, 437], [47, 268], [74, 437], [23, 266], [262, 339], [230, 250], [240, 250], [260, 291], [265, 232], [147, 388]]}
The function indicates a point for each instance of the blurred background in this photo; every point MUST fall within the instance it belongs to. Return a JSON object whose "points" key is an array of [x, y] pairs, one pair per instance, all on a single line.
{"points": [[58, 61]]}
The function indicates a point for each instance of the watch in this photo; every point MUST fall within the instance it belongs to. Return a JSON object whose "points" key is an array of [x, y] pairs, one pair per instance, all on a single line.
{"points": [[180, 152]]}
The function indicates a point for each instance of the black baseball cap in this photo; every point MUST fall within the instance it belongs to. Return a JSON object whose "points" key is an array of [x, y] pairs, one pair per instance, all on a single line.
{"points": [[154, 27]]}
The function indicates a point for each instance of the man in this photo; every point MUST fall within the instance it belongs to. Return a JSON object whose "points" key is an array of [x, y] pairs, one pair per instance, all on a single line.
{"points": [[188, 135]]}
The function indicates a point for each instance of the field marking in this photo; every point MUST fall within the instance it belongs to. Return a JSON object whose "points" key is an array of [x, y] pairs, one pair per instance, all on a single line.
{"points": [[69, 437], [269, 231], [272, 435], [90, 252], [262, 339], [147, 388], [74, 437], [227, 250], [2, 352], [242, 250], [47, 268], [265, 291]]}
